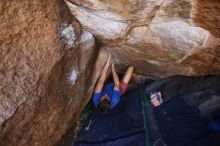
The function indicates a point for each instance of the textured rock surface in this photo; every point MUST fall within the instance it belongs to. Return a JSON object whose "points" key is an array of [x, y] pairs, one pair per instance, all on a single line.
{"points": [[159, 37], [46, 68], [49, 62]]}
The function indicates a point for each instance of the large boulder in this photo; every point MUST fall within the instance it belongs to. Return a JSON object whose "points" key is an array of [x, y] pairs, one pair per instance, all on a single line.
{"points": [[50, 59], [46, 69], [160, 38]]}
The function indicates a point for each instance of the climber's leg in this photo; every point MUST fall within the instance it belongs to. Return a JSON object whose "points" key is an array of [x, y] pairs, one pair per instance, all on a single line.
{"points": [[126, 79], [103, 76]]}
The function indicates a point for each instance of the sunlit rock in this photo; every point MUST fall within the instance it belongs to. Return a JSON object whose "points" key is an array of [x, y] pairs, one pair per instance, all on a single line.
{"points": [[99, 23], [50, 56], [161, 36]]}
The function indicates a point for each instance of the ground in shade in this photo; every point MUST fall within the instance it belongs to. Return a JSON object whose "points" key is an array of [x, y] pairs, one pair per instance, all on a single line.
{"points": [[202, 92]]}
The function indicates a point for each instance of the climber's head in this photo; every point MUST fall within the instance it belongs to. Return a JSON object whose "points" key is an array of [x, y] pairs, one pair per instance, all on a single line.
{"points": [[104, 103]]}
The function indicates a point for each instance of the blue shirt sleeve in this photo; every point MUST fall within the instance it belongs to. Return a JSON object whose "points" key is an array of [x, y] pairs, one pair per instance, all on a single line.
{"points": [[96, 98], [115, 98]]}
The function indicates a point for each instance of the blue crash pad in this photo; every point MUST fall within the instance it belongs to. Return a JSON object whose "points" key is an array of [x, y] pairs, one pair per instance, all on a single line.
{"points": [[123, 125]]}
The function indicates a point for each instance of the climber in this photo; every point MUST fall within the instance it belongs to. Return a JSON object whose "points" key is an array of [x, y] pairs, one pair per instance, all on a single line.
{"points": [[109, 96]]}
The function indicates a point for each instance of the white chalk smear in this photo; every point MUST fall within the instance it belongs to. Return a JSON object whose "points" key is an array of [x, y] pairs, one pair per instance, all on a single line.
{"points": [[86, 36], [69, 35], [154, 62], [73, 76]]}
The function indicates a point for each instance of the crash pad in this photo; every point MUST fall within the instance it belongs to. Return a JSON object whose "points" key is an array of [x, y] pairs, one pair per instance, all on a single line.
{"points": [[123, 125]]}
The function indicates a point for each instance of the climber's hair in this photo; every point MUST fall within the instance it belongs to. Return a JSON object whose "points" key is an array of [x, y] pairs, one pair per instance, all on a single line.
{"points": [[104, 105]]}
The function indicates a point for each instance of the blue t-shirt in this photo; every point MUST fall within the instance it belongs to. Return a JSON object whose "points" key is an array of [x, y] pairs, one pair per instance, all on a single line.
{"points": [[109, 90]]}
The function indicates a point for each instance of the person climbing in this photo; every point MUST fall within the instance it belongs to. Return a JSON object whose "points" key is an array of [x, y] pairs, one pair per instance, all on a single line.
{"points": [[109, 96]]}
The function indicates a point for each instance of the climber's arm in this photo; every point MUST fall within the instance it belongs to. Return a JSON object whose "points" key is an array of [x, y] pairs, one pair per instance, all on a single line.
{"points": [[115, 77], [102, 77]]}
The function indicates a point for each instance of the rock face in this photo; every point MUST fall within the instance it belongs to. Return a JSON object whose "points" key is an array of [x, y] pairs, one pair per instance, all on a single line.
{"points": [[160, 38], [50, 59], [46, 71]]}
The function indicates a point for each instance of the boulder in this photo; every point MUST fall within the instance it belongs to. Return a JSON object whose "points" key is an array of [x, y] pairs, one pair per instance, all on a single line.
{"points": [[160, 38], [47, 71], [52, 53]]}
